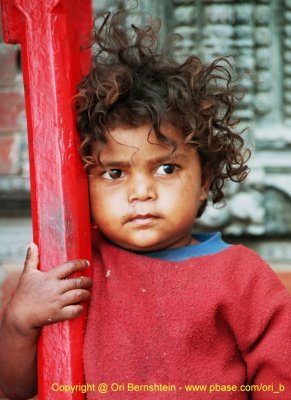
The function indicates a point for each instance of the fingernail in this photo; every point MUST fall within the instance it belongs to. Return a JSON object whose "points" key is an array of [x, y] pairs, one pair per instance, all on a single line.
{"points": [[88, 263], [28, 248]]}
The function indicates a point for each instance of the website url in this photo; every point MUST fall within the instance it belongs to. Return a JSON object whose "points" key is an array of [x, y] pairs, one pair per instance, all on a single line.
{"points": [[276, 389]]}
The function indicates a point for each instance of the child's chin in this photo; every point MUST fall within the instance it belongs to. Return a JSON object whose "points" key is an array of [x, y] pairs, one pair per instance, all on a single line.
{"points": [[141, 246]]}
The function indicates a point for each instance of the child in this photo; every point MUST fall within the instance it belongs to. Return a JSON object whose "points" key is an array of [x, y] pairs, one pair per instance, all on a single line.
{"points": [[168, 310]]}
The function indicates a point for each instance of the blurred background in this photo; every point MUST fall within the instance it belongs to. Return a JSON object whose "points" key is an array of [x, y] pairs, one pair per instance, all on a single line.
{"points": [[257, 37]]}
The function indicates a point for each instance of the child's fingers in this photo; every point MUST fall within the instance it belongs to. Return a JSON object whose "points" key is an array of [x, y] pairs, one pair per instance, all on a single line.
{"points": [[71, 311], [75, 296], [71, 307], [64, 270], [32, 257], [81, 282]]}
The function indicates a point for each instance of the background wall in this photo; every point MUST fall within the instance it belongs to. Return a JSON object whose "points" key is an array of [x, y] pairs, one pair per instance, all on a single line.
{"points": [[257, 36]]}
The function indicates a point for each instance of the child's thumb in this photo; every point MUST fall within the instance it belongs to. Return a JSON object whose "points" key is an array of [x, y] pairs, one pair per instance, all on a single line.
{"points": [[32, 257]]}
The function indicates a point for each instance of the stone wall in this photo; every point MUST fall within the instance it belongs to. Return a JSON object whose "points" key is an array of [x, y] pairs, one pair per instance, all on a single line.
{"points": [[256, 36], [14, 170]]}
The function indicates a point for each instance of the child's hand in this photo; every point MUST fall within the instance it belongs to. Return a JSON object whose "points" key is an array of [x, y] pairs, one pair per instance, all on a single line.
{"points": [[42, 298]]}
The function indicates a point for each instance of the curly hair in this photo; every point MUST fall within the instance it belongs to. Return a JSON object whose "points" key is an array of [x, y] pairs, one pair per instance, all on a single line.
{"points": [[133, 83]]}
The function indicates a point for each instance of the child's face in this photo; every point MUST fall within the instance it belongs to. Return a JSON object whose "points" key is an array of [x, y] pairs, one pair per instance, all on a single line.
{"points": [[145, 197]]}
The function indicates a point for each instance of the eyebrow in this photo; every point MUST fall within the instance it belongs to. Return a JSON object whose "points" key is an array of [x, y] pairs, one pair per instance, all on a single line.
{"points": [[153, 161]]}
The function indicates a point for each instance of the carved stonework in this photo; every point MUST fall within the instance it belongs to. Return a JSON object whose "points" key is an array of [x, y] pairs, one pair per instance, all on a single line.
{"points": [[257, 35], [259, 206], [287, 62]]}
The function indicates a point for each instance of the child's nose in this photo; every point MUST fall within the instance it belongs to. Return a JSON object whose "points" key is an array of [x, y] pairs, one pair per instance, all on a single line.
{"points": [[141, 188]]}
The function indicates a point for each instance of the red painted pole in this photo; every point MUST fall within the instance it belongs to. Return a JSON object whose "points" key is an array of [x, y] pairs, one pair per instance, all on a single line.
{"points": [[51, 34]]}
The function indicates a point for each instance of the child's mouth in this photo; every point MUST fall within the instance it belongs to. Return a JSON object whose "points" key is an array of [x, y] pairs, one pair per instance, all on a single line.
{"points": [[143, 219]]}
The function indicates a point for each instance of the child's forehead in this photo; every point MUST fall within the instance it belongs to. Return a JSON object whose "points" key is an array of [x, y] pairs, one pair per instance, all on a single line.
{"points": [[128, 143], [129, 135]]}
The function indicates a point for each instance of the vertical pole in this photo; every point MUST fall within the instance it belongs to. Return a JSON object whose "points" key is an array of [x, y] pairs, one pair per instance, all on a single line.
{"points": [[50, 38]]}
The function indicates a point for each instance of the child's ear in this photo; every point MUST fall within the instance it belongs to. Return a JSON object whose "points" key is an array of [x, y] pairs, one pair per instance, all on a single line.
{"points": [[205, 182]]}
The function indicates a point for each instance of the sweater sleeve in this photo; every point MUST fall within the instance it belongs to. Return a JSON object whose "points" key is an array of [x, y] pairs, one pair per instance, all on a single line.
{"points": [[263, 328]]}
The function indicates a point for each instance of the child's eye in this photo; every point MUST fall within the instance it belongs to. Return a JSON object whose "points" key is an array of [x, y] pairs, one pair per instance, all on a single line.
{"points": [[113, 174], [166, 169]]}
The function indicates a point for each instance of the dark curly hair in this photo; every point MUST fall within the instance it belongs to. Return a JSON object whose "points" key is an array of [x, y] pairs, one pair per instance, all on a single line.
{"points": [[133, 83]]}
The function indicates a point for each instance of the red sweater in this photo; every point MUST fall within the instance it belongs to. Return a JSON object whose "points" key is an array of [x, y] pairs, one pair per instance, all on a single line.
{"points": [[222, 319]]}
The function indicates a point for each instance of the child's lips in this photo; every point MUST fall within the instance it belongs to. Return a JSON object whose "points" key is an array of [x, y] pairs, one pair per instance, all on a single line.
{"points": [[142, 219]]}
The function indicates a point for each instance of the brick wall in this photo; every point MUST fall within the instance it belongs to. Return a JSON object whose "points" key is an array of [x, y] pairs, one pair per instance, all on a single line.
{"points": [[13, 141]]}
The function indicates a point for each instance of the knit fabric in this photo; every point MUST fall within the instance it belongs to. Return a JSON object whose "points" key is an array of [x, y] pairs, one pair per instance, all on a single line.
{"points": [[220, 319]]}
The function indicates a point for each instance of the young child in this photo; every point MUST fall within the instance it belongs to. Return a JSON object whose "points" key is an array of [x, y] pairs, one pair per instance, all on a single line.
{"points": [[168, 309]]}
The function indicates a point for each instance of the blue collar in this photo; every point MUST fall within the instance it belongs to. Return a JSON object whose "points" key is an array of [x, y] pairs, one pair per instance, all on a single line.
{"points": [[210, 243]]}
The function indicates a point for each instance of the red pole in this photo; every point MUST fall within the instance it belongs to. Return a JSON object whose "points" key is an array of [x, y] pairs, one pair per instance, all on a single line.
{"points": [[51, 33]]}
